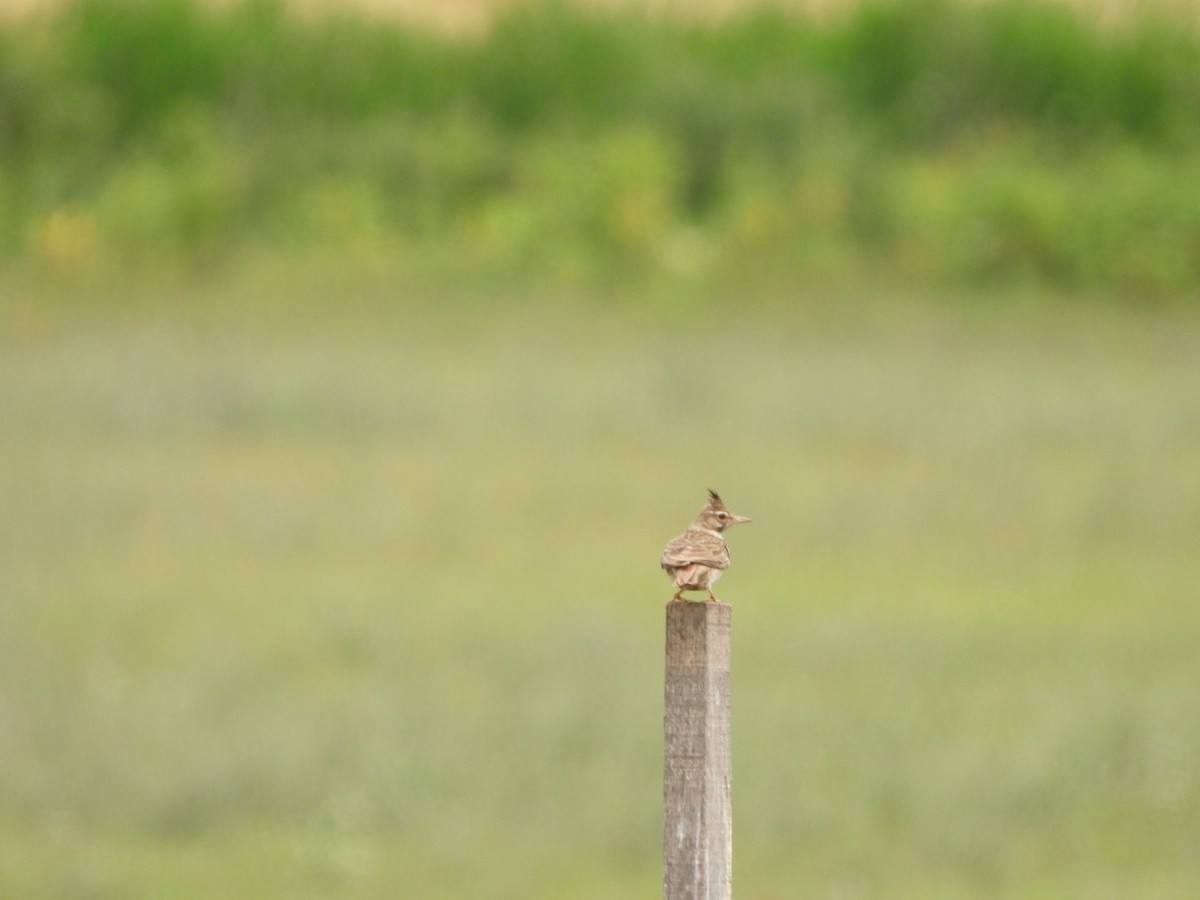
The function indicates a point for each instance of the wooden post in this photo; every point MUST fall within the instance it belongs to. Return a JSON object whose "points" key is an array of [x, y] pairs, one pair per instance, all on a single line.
{"points": [[697, 813]]}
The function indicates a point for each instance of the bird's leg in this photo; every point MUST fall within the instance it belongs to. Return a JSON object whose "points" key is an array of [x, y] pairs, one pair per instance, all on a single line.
{"points": [[712, 598], [677, 593]]}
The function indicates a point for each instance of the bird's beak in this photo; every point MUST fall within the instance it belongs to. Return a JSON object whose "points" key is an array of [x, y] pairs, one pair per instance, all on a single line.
{"points": [[738, 520]]}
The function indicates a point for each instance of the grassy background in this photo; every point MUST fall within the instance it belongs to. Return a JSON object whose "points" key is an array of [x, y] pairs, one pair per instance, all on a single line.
{"points": [[352, 377], [366, 604], [1014, 142]]}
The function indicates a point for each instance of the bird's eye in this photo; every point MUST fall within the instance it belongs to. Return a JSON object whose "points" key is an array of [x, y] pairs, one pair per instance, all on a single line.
{"points": [[722, 515]]}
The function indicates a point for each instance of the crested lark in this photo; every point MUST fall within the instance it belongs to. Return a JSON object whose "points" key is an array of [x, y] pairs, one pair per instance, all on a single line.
{"points": [[695, 560]]}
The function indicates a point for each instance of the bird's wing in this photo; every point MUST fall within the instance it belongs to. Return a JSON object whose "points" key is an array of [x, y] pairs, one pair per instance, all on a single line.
{"points": [[695, 546]]}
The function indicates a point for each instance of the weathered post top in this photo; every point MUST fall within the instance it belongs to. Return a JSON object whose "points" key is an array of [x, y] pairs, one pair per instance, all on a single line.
{"points": [[697, 812]]}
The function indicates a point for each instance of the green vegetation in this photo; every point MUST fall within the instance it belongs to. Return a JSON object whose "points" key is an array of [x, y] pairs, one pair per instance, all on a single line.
{"points": [[928, 143], [313, 605], [352, 376]]}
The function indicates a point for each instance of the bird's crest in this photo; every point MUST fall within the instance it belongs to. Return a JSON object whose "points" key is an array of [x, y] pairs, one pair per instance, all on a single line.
{"points": [[714, 500]]}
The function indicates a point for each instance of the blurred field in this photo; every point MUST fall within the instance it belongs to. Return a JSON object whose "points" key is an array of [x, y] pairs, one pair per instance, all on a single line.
{"points": [[353, 374], [1013, 144], [473, 13], [365, 603]]}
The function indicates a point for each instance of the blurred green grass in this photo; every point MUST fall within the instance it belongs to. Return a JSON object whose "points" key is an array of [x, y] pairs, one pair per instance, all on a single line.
{"points": [[364, 602], [1008, 143]]}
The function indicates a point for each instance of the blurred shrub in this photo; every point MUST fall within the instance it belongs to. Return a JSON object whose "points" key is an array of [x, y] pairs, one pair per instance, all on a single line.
{"points": [[1115, 219], [1008, 141], [615, 196], [175, 199]]}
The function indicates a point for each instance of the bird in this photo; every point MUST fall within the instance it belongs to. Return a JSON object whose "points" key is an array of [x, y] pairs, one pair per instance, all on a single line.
{"points": [[695, 560]]}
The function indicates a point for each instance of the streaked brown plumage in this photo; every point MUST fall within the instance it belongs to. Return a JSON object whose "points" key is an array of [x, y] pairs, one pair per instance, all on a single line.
{"points": [[695, 560]]}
